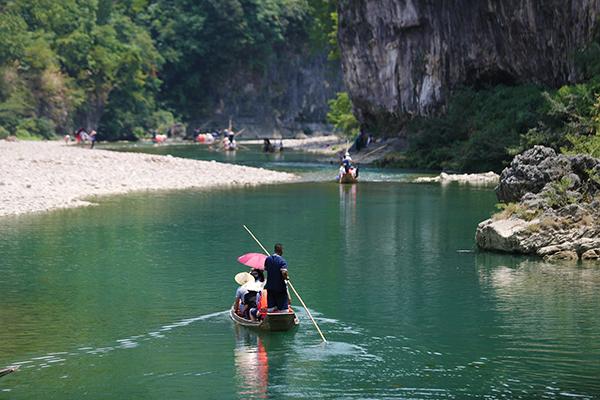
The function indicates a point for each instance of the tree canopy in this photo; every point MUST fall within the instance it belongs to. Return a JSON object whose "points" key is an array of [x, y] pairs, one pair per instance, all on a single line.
{"points": [[120, 66]]}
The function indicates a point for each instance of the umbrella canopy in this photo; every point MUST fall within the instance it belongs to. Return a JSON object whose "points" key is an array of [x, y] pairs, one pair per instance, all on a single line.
{"points": [[253, 260]]}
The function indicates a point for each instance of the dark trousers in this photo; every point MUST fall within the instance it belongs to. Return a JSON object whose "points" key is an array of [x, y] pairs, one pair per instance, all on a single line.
{"points": [[277, 299]]}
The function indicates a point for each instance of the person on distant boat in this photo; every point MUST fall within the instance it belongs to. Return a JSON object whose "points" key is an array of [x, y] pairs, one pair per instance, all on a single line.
{"points": [[267, 146], [347, 167], [277, 275], [347, 161]]}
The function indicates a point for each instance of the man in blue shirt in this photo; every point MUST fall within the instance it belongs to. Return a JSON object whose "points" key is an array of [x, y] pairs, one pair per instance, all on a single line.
{"points": [[277, 274]]}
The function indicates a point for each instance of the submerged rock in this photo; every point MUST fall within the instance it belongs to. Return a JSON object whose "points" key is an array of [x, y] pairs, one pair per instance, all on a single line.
{"points": [[555, 210]]}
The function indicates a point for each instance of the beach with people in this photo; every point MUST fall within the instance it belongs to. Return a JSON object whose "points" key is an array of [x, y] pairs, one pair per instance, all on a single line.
{"points": [[42, 176]]}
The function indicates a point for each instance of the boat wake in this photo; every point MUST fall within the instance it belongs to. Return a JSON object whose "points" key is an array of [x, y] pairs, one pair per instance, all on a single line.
{"points": [[59, 358]]}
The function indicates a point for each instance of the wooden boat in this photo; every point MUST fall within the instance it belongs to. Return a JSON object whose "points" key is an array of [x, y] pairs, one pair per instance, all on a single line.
{"points": [[7, 371], [272, 322], [348, 177]]}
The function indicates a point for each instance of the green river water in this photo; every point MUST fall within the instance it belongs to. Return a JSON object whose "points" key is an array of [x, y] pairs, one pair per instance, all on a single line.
{"points": [[128, 300]]}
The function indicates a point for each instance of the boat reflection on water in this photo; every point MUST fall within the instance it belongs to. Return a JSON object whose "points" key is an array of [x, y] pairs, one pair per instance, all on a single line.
{"points": [[348, 205], [251, 364]]}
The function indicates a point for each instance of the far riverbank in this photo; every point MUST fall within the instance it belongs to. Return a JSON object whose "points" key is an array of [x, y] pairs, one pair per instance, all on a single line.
{"points": [[42, 176]]}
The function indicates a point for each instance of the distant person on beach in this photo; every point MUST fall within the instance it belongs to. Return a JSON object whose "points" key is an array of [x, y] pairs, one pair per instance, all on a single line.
{"points": [[93, 138], [67, 138], [277, 275], [79, 135]]}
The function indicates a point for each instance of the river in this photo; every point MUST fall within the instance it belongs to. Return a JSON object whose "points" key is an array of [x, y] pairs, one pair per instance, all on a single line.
{"points": [[129, 299]]}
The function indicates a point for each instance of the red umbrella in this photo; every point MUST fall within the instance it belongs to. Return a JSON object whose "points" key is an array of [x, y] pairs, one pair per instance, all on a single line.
{"points": [[253, 260]]}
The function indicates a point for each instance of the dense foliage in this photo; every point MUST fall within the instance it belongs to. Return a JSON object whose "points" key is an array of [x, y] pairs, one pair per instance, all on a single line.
{"points": [[478, 129], [483, 129], [126, 67], [340, 115]]}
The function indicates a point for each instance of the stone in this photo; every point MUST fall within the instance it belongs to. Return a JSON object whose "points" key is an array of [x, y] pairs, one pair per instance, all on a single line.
{"points": [[529, 172], [550, 250], [586, 244], [403, 58], [593, 254], [501, 235], [564, 223], [565, 255], [487, 178]]}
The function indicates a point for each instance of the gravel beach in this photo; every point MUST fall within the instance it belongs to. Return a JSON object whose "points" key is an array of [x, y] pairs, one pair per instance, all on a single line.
{"points": [[41, 176]]}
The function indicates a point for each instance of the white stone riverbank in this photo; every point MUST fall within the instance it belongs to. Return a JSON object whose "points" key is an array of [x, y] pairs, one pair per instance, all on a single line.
{"points": [[41, 176]]}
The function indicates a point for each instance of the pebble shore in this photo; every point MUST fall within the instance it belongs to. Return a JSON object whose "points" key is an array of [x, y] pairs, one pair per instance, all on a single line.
{"points": [[42, 176]]}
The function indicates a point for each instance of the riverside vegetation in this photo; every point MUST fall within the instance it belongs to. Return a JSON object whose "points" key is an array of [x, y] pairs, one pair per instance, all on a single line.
{"points": [[128, 67], [484, 127]]}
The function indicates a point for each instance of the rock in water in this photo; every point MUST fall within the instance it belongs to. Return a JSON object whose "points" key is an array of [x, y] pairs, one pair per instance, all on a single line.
{"points": [[556, 207], [403, 57]]}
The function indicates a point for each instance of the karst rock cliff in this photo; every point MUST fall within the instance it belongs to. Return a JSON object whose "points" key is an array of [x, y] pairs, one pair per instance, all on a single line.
{"points": [[403, 57]]}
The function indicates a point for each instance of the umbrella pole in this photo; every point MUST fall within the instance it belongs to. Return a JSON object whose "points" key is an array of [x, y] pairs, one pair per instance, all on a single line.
{"points": [[292, 286]]}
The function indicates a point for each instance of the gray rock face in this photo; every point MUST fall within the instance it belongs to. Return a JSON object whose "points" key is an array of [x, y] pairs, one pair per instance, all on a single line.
{"points": [[403, 57], [291, 96], [563, 219], [529, 172]]}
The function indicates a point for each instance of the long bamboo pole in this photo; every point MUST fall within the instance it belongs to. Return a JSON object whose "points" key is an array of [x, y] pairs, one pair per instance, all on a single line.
{"points": [[292, 286]]}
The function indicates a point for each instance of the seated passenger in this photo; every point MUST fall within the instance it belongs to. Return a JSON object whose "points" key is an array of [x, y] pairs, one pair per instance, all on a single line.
{"points": [[262, 305], [242, 279], [252, 299], [259, 276]]}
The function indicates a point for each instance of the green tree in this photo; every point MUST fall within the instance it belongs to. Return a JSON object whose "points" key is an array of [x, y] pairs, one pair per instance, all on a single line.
{"points": [[341, 116]]}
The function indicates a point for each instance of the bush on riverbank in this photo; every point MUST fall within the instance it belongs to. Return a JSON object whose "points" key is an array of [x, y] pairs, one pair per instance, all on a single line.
{"points": [[341, 116], [483, 129], [477, 131]]}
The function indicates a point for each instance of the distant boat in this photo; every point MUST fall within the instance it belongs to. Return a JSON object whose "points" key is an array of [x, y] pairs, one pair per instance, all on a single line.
{"points": [[348, 177], [272, 322], [7, 371]]}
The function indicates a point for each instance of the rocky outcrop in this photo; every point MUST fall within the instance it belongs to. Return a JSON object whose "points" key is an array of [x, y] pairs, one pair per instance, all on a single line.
{"points": [[403, 57], [554, 208], [530, 172]]}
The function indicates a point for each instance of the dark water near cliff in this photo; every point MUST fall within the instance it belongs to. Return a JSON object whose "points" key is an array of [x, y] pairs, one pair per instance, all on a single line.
{"points": [[129, 299]]}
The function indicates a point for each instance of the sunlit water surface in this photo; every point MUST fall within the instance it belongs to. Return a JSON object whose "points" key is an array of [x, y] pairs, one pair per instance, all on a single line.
{"points": [[128, 300]]}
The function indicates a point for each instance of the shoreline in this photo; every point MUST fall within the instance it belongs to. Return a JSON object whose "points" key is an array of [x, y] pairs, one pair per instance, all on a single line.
{"points": [[44, 176]]}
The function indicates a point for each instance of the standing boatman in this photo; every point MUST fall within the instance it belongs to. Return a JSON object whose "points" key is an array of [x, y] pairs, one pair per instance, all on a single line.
{"points": [[277, 274]]}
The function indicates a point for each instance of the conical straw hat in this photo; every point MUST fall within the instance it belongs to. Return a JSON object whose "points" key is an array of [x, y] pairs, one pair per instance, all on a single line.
{"points": [[243, 277]]}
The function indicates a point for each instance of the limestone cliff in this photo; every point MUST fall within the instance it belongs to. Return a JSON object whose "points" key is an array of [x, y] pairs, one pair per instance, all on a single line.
{"points": [[403, 57], [290, 96]]}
